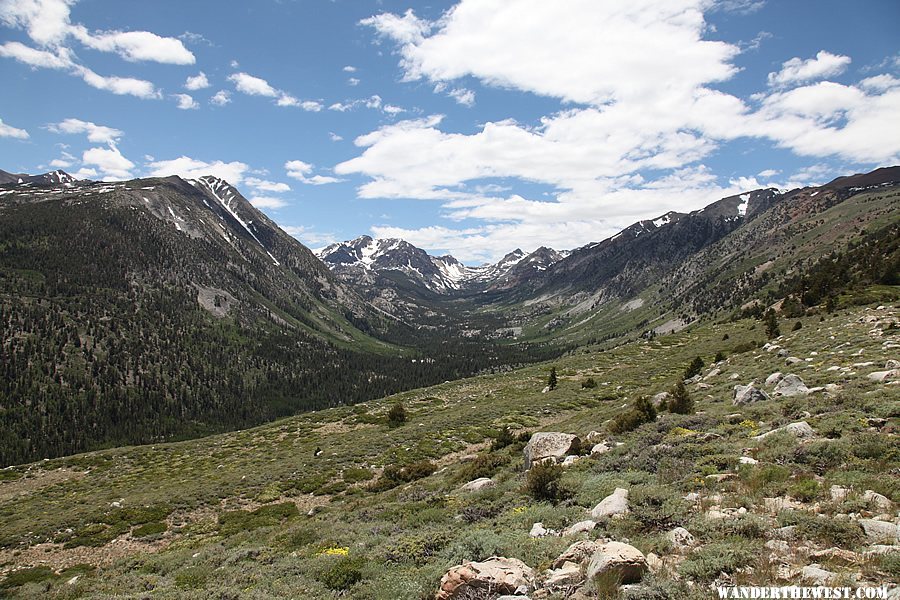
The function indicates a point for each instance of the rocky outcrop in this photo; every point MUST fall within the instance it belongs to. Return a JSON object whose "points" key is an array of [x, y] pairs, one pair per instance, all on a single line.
{"points": [[790, 386], [617, 562], [614, 504], [800, 430], [549, 444], [485, 580], [747, 394], [482, 483]]}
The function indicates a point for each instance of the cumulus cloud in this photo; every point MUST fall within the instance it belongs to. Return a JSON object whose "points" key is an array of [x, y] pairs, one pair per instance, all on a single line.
{"points": [[256, 86], [221, 98], [267, 186], [349, 69], [190, 168], [118, 85], [302, 171], [36, 58], [12, 132], [109, 163], [637, 95], [270, 202], [186, 101], [98, 134], [797, 70], [197, 82], [136, 46], [309, 236]]}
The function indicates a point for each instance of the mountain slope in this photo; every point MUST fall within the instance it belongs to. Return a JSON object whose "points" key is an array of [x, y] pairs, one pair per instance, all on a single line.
{"points": [[138, 311]]}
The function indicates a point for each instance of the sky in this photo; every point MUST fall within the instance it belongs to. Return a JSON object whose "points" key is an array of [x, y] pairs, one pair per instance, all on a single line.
{"points": [[472, 127]]}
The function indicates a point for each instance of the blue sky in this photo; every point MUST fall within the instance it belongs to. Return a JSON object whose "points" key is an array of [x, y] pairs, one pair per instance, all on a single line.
{"points": [[469, 127]]}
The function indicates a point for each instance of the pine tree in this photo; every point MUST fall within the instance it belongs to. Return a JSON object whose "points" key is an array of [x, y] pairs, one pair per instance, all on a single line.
{"points": [[397, 415], [552, 381], [771, 321], [680, 400]]}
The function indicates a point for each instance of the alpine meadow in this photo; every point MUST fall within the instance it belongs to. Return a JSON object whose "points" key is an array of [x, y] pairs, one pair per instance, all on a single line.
{"points": [[468, 300]]}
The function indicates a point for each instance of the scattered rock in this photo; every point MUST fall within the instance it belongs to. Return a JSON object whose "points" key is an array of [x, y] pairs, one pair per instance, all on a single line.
{"points": [[882, 376], [816, 575], [570, 460], [879, 531], [801, 430], [880, 502], [779, 546], [837, 555], [892, 364], [599, 449], [614, 504], [654, 563], [538, 530], [747, 460], [680, 538], [838, 493], [791, 385], [482, 483], [878, 549], [747, 394], [716, 371], [548, 444], [618, 562], [774, 378], [660, 399], [496, 575], [578, 553], [785, 533], [566, 576], [793, 360], [579, 527], [776, 505]]}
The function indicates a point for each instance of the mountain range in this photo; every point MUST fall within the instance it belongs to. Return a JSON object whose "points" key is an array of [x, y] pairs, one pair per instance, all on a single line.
{"points": [[168, 307]]}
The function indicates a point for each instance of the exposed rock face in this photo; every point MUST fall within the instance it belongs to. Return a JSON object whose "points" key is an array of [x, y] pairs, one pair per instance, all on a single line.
{"points": [[548, 444], [791, 385], [485, 580], [566, 576], [816, 575], [619, 562], [748, 394], [614, 504], [599, 449], [482, 483], [877, 500]]}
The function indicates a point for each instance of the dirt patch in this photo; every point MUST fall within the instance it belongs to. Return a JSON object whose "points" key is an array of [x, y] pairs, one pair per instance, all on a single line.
{"points": [[59, 558]]}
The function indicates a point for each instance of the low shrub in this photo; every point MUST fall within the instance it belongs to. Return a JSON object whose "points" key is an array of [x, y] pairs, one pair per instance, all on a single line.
{"points": [[543, 482], [149, 529], [726, 556], [484, 465], [642, 411], [344, 573], [394, 475], [235, 521]]}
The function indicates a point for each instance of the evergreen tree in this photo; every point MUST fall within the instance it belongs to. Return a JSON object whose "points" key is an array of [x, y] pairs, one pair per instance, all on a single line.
{"points": [[552, 380], [771, 321], [397, 415], [694, 368], [680, 401]]}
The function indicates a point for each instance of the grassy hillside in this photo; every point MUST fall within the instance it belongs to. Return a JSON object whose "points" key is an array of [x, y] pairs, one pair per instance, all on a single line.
{"points": [[317, 506]]}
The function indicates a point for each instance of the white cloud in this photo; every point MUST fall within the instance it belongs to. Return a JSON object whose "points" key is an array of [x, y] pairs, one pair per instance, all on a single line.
{"points": [[462, 96], [252, 86], [46, 21], [768, 173], [334, 137], [307, 105], [190, 168], [797, 70], [309, 236], [636, 96], [186, 101], [12, 132], [48, 24], [197, 82], [109, 162], [221, 98], [65, 161], [353, 81], [118, 85], [349, 69], [135, 46], [98, 134], [267, 186], [36, 58], [301, 171], [393, 110], [270, 202]]}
